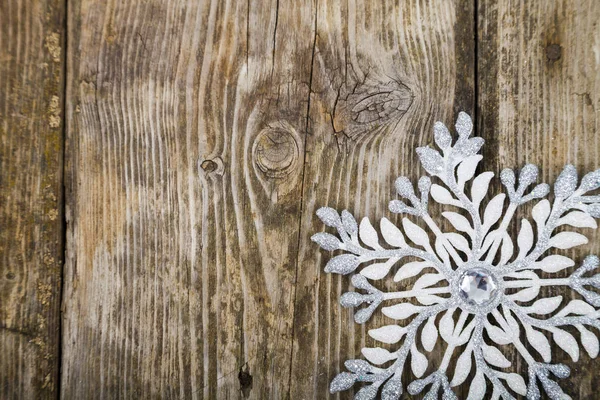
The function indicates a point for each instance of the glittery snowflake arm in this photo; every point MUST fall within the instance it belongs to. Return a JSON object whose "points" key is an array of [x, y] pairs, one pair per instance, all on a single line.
{"points": [[584, 314], [389, 379], [530, 283], [507, 331], [454, 167], [370, 250], [577, 313], [454, 336], [484, 356], [349, 234], [571, 207]]}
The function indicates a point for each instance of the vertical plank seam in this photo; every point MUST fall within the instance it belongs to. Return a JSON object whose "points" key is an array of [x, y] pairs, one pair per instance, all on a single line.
{"points": [[476, 65], [63, 197], [306, 130]]}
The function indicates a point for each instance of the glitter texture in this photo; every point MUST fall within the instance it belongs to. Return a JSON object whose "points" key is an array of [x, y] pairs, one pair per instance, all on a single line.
{"points": [[483, 292]]}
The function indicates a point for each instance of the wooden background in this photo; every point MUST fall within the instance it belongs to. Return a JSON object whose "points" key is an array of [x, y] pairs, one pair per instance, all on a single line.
{"points": [[161, 163]]}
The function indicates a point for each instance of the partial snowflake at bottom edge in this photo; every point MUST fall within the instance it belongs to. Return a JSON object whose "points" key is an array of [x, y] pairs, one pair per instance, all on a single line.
{"points": [[481, 281]]}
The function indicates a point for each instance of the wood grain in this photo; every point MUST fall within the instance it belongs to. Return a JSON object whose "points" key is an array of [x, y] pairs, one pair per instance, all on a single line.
{"points": [[31, 203], [410, 64], [201, 138], [187, 125], [538, 85]]}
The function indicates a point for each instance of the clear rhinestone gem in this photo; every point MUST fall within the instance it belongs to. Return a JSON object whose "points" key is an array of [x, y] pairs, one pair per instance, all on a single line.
{"points": [[477, 286]]}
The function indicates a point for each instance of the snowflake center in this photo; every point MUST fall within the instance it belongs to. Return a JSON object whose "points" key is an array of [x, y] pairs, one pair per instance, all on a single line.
{"points": [[477, 286]]}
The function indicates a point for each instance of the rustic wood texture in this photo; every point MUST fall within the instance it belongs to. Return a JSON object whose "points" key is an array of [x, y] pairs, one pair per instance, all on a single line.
{"points": [[201, 140], [369, 55], [31, 204], [538, 85], [201, 137], [187, 123]]}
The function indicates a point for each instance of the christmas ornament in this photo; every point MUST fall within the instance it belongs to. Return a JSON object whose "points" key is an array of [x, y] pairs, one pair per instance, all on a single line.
{"points": [[477, 289]]}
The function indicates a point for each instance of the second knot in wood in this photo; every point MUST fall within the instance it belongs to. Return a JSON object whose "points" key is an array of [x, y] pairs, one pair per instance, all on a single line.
{"points": [[275, 152]]}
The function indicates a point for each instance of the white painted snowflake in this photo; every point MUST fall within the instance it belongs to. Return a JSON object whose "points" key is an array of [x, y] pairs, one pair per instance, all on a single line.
{"points": [[479, 295]]}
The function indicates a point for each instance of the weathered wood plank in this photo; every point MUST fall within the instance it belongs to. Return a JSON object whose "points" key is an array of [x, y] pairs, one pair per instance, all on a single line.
{"points": [[383, 73], [186, 145], [31, 239], [539, 81], [181, 279]]}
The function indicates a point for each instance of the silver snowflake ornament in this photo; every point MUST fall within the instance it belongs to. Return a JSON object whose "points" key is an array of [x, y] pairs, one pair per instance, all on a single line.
{"points": [[477, 288]]}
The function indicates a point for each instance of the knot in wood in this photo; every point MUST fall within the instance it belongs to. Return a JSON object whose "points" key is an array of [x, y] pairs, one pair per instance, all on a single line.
{"points": [[212, 167], [245, 380], [553, 52], [381, 105], [275, 152], [209, 165], [371, 105]]}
